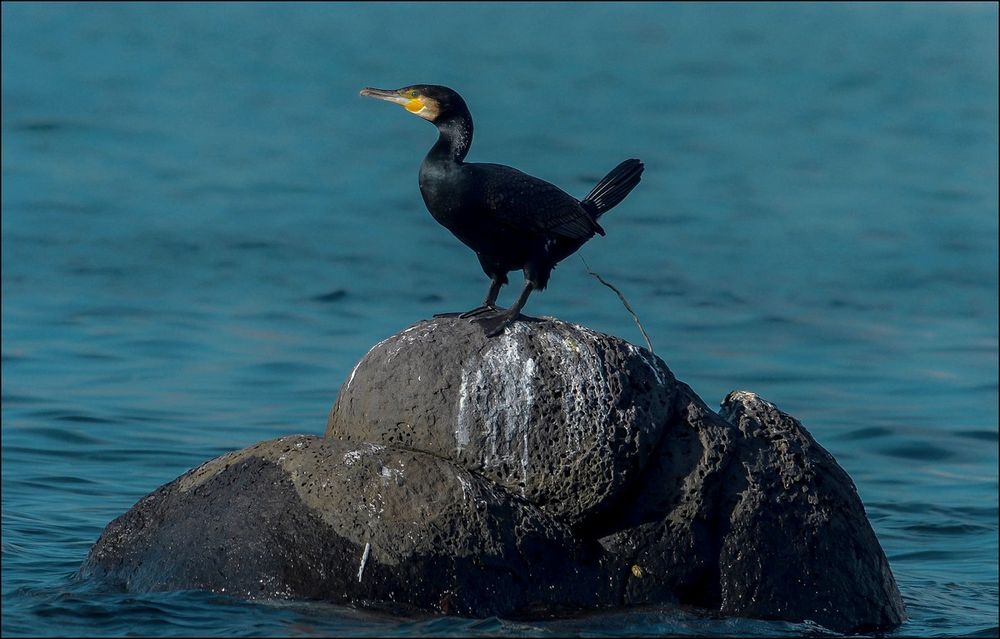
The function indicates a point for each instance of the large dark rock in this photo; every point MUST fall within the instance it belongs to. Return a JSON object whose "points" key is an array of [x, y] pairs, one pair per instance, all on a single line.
{"points": [[549, 467], [313, 518], [814, 554], [554, 412]]}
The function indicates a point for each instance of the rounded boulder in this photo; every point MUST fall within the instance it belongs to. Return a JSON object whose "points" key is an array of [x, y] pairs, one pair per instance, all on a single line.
{"points": [[556, 413]]}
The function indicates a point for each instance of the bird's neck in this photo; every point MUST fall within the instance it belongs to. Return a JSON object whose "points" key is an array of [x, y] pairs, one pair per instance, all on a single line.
{"points": [[455, 139]]}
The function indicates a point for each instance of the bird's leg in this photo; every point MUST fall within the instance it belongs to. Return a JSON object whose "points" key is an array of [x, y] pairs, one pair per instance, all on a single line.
{"points": [[490, 303], [496, 324]]}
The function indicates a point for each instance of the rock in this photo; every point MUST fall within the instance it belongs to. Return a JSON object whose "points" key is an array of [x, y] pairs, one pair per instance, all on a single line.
{"points": [[554, 412], [818, 555], [670, 525], [305, 517], [745, 513], [550, 467], [599, 434]]}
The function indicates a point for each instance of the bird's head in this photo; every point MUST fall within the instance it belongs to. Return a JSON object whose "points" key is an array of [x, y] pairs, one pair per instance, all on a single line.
{"points": [[429, 101]]}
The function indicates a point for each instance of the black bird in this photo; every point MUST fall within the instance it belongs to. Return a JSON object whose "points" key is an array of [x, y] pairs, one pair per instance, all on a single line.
{"points": [[510, 219]]}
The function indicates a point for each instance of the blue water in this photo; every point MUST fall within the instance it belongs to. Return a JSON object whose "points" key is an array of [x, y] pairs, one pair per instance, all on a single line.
{"points": [[204, 228]]}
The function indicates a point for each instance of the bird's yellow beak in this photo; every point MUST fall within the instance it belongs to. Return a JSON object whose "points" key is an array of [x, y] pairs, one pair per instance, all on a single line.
{"points": [[425, 107], [413, 105]]}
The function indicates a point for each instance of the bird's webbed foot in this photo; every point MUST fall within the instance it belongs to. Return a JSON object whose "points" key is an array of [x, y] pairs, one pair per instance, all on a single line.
{"points": [[481, 310], [494, 325]]}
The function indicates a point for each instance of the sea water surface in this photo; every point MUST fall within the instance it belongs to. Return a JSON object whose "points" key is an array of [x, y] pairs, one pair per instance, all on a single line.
{"points": [[204, 228]]}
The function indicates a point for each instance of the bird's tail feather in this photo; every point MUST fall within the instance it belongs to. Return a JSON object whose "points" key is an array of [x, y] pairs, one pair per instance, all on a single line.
{"points": [[613, 188]]}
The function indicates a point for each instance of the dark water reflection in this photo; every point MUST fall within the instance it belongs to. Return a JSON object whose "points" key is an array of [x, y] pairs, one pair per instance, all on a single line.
{"points": [[204, 228]]}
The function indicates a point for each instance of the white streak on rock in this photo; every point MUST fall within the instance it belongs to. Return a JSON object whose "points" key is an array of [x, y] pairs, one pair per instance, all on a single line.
{"points": [[464, 416], [524, 461], [363, 359], [405, 339], [353, 371], [394, 474], [364, 560], [502, 399], [466, 486], [586, 331], [641, 352], [354, 455], [747, 397]]}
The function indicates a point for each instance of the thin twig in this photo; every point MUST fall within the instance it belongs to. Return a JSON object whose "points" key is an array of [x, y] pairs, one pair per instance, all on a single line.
{"points": [[628, 306]]}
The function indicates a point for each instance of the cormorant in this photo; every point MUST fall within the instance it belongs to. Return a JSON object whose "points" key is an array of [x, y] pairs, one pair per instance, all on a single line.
{"points": [[510, 219]]}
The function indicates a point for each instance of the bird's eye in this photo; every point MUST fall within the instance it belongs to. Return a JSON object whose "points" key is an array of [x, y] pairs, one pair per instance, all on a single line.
{"points": [[413, 94]]}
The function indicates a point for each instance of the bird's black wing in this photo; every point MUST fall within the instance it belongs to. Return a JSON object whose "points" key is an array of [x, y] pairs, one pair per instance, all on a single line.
{"points": [[526, 203]]}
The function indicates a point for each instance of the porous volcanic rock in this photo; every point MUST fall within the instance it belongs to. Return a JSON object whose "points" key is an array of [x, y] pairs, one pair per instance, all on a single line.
{"points": [[556, 413], [549, 467], [744, 513], [307, 517], [798, 537]]}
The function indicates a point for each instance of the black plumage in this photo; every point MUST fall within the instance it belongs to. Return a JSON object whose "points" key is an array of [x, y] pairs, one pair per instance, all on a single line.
{"points": [[513, 221]]}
